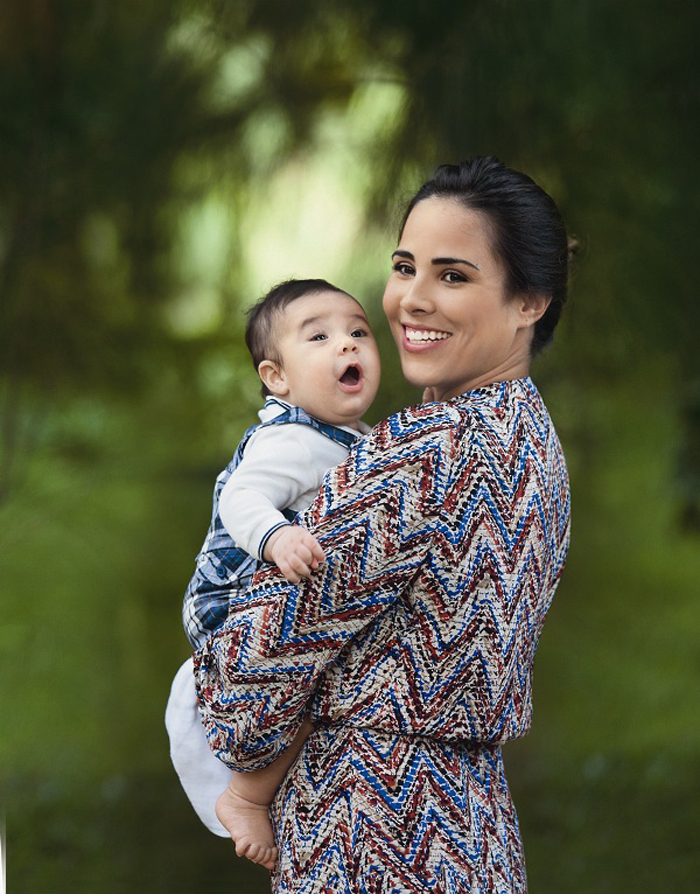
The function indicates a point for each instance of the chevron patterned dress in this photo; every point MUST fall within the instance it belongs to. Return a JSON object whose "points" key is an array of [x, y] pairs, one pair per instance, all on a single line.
{"points": [[445, 531]]}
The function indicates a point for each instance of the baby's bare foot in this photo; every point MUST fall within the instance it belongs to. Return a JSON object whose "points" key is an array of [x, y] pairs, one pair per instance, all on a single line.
{"points": [[250, 827]]}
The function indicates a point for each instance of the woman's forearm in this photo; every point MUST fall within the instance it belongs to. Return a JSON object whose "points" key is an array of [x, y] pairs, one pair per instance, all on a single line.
{"points": [[375, 518]]}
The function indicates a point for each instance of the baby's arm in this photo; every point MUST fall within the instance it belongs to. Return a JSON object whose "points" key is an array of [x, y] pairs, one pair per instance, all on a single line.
{"points": [[294, 551], [283, 466]]}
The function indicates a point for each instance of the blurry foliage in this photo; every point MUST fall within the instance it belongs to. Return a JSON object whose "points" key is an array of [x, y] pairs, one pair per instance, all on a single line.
{"points": [[119, 118], [136, 142], [113, 125]]}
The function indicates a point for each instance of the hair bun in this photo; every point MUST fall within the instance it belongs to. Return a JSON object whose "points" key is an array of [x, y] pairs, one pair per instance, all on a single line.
{"points": [[572, 246]]}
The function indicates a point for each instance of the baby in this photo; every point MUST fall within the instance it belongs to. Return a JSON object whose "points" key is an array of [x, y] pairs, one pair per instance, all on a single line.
{"points": [[319, 365]]}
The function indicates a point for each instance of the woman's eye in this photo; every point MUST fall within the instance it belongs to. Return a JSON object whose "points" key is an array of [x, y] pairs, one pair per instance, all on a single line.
{"points": [[403, 268], [453, 276]]}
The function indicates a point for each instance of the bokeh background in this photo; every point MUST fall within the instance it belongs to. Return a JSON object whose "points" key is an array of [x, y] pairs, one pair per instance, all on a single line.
{"points": [[162, 164]]}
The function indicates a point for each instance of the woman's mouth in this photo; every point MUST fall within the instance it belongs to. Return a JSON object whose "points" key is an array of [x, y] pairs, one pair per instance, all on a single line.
{"points": [[423, 338], [351, 379]]}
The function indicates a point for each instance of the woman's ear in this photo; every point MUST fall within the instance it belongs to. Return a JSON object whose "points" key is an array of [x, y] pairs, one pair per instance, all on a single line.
{"points": [[532, 306], [273, 378]]}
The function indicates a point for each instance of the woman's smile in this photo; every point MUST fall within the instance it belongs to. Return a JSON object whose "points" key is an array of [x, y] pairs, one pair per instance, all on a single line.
{"points": [[422, 338]]}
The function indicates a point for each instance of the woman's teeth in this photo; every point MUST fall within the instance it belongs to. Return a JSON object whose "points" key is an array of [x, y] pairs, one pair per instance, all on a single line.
{"points": [[425, 335]]}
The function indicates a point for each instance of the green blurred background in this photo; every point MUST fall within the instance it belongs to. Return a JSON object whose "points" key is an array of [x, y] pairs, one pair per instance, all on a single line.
{"points": [[163, 163]]}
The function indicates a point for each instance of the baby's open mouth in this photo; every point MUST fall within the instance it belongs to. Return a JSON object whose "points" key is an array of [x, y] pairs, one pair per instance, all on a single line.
{"points": [[351, 376]]}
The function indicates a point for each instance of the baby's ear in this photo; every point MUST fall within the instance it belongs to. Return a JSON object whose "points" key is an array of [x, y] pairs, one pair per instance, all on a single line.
{"points": [[273, 378]]}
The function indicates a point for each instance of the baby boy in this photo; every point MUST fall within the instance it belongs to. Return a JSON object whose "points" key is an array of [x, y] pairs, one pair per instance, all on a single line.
{"points": [[319, 366]]}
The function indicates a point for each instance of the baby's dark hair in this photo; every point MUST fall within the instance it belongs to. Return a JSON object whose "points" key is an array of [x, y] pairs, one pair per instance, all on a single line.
{"points": [[260, 333]]}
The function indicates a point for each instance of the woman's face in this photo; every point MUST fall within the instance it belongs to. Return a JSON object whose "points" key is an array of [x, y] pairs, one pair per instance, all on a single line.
{"points": [[455, 326]]}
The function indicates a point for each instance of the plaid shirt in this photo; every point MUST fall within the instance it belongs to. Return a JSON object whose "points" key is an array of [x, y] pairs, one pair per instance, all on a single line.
{"points": [[222, 570]]}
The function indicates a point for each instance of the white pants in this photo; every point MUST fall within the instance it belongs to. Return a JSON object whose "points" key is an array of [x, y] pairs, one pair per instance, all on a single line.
{"points": [[201, 773]]}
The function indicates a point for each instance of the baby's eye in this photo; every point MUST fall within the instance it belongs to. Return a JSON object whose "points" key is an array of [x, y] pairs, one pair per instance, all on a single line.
{"points": [[319, 336], [358, 333]]}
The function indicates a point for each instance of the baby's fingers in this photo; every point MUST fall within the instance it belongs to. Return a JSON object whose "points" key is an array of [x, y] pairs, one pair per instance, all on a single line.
{"points": [[317, 554], [289, 573], [308, 551], [297, 553], [298, 565]]}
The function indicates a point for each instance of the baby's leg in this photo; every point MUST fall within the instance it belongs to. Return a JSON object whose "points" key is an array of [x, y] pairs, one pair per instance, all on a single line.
{"points": [[247, 818], [243, 806]]}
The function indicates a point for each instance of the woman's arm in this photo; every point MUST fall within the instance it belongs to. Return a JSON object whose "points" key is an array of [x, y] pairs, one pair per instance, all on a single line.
{"points": [[374, 516]]}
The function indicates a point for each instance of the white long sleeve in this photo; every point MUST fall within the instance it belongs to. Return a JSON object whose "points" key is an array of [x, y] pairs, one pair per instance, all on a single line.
{"points": [[282, 467]]}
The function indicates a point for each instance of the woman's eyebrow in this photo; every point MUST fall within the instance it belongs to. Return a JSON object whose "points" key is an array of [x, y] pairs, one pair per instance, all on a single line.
{"points": [[402, 253], [440, 261]]}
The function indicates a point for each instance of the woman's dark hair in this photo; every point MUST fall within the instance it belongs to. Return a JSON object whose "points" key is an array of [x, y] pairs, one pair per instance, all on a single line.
{"points": [[528, 233], [260, 334]]}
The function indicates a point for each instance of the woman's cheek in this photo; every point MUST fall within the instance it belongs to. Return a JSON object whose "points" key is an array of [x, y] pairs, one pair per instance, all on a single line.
{"points": [[390, 302]]}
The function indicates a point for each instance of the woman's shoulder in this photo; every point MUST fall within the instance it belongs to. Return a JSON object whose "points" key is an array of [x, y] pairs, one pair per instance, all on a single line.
{"points": [[492, 410], [418, 422], [407, 442], [496, 400], [411, 450]]}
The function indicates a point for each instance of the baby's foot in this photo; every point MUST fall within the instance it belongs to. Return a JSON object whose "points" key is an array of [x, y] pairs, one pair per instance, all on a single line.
{"points": [[250, 827]]}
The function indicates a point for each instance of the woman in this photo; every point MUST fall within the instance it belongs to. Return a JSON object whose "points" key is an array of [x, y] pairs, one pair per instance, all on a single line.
{"points": [[445, 532]]}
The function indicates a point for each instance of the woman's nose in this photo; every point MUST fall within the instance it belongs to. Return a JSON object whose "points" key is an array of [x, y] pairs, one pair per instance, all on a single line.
{"points": [[416, 299]]}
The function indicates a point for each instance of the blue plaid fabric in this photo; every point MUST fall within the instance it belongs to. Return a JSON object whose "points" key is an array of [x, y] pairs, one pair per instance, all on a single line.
{"points": [[222, 570]]}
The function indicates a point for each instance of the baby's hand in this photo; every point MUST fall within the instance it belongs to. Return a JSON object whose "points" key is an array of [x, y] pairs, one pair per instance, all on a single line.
{"points": [[294, 551]]}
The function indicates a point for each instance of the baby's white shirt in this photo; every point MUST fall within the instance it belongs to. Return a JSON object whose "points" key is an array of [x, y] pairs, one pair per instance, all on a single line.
{"points": [[282, 468]]}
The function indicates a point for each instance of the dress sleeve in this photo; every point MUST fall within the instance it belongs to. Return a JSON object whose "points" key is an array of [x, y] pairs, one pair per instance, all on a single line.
{"points": [[375, 516]]}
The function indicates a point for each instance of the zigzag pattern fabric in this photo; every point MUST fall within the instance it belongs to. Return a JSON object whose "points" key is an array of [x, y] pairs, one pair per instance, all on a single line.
{"points": [[446, 531]]}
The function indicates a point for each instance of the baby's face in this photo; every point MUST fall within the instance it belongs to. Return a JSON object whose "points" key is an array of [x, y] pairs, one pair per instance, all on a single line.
{"points": [[329, 358]]}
